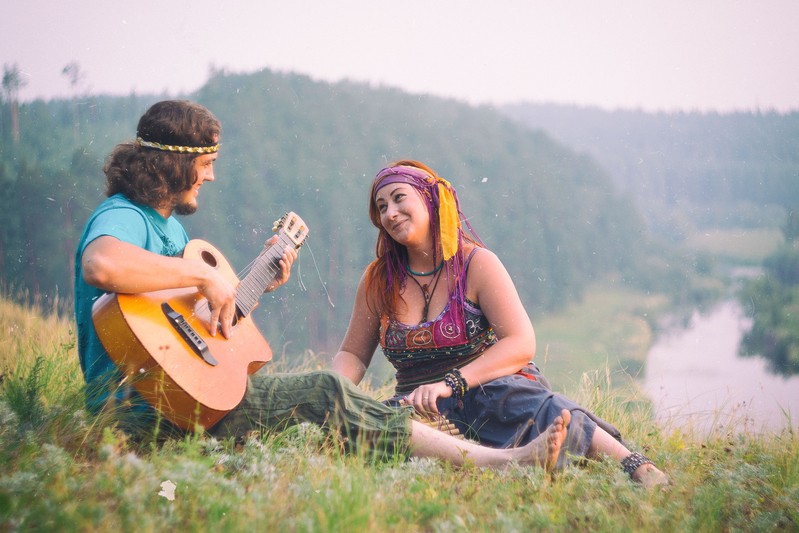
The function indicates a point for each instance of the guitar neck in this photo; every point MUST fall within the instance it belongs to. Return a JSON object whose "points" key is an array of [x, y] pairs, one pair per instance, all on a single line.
{"points": [[265, 269]]}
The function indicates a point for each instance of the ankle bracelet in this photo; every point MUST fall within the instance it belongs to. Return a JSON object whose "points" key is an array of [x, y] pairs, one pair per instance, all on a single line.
{"points": [[632, 462]]}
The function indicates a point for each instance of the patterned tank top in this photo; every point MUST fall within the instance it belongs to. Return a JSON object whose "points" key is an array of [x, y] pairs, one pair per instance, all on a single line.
{"points": [[424, 353]]}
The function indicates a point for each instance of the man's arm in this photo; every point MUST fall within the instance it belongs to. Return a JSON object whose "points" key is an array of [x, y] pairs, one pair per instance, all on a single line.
{"points": [[116, 266]]}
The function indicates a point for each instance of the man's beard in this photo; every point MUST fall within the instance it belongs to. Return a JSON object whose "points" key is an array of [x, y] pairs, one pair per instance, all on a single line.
{"points": [[185, 209]]}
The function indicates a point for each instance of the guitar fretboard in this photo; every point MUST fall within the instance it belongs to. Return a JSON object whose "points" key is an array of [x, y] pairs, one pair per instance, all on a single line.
{"points": [[263, 272]]}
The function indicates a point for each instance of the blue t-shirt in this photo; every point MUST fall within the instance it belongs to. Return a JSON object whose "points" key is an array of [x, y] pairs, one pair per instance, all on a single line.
{"points": [[136, 224]]}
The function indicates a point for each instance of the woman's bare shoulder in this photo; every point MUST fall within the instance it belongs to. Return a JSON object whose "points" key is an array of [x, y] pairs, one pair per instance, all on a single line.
{"points": [[482, 258], [484, 272]]}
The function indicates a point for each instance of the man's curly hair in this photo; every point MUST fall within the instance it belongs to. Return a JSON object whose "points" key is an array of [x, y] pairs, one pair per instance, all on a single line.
{"points": [[153, 177]]}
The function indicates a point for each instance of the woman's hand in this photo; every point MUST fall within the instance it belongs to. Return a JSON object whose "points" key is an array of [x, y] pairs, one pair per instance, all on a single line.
{"points": [[424, 398]]}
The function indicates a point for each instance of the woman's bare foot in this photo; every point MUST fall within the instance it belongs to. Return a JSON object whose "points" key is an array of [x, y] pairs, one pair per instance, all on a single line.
{"points": [[649, 476], [544, 450]]}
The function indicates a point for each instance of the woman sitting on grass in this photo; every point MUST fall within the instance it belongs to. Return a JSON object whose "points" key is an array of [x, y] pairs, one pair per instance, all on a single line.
{"points": [[448, 317]]}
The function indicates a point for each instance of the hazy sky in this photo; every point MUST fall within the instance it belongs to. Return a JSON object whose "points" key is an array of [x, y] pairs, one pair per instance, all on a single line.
{"points": [[654, 55]]}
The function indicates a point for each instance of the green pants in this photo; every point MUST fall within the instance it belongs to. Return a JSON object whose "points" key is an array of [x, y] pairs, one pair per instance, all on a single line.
{"points": [[276, 401]]}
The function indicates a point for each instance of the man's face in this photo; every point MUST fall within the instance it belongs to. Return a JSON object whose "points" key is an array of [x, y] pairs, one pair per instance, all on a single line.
{"points": [[204, 171]]}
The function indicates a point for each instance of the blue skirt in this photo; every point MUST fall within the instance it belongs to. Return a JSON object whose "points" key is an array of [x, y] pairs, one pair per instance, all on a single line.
{"points": [[513, 410]]}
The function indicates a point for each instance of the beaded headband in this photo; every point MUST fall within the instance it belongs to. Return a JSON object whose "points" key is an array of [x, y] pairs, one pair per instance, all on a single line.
{"points": [[181, 149]]}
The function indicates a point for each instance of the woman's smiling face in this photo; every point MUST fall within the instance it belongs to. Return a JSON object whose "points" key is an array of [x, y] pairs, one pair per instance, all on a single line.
{"points": [[403, 214]]}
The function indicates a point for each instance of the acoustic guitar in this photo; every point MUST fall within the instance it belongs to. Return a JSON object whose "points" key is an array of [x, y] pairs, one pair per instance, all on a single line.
{"points": [[161, 342]]}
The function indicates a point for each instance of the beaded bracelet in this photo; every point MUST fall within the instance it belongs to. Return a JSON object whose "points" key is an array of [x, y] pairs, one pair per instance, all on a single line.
{"points": [[462, 381], [632, 462], [455, 381]]}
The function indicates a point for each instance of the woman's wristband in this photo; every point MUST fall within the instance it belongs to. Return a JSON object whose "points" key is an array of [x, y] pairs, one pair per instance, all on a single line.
{"points": [[455, 381]]}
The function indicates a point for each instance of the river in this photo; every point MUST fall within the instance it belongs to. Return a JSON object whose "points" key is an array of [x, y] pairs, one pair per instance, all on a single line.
{"points": [[699, 384]]}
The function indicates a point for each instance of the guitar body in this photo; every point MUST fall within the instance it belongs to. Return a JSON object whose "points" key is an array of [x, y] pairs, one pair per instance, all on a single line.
{"points": [[160, 363]]}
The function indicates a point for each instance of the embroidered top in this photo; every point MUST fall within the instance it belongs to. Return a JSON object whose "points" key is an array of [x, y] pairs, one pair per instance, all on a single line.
{"points": [[424, 353]]}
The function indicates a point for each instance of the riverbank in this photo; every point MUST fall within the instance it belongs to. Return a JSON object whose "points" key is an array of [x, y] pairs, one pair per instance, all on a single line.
{"points": [[699, 383], [688, 367], [612, 327]]}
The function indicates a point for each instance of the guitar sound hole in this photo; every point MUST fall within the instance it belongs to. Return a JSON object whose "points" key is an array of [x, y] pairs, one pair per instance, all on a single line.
{"points": [[209, 258]]}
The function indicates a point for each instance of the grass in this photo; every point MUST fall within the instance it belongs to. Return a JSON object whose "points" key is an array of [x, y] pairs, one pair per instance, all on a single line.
{"points": [[66, 470], [610, 327], [748, 246]]}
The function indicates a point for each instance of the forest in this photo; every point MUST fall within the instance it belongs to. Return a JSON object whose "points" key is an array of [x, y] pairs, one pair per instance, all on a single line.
{"points": [[686, 171], [561, 212]]}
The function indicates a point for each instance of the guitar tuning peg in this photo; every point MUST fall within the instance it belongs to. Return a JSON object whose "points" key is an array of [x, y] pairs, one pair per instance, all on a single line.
{"points": [[277, 224]]}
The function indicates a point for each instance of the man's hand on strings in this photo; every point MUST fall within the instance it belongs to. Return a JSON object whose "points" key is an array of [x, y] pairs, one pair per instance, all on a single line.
{"points": [[288, 258], [221, 296]]}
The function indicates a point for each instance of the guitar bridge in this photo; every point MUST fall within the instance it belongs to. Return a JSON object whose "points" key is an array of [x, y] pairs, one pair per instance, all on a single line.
{"points": [[192, 338]]}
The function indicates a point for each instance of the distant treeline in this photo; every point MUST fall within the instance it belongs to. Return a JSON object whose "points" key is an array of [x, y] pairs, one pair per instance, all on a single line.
{"points": [[554, 215], [772, 301], [686, 171]]}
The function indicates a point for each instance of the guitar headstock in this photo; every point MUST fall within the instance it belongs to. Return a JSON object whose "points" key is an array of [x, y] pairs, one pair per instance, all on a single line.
{"points": [[293, 227]]}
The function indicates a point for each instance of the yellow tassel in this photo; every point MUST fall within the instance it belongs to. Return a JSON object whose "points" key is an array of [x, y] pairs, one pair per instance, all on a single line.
{"points": [[448, 218]]}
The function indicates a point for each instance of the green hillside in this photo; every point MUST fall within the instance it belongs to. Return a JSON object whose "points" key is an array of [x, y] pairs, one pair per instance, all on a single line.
{"points": [[291, 143]]}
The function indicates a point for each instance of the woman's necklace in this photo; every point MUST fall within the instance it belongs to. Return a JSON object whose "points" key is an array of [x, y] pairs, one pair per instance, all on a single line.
{"points": [[422, 274], [427, 293]]}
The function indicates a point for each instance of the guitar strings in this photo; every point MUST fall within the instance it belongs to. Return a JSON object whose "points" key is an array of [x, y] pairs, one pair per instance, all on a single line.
{"points": [[247, 268], [319, 274], [300, 279], [244, 271]]}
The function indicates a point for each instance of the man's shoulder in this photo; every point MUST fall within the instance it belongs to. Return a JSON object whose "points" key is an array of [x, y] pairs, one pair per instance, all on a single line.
{"points": [[117, 207], [119, 217], [117, 201]]}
